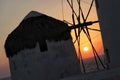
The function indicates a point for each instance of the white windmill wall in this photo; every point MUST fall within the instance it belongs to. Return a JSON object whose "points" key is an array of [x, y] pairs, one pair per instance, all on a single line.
{"points": [[41, 48], [109, 17], [58, 62]]}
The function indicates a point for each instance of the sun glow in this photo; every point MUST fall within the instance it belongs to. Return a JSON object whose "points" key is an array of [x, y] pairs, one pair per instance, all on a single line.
{"points": [[85, 48]]}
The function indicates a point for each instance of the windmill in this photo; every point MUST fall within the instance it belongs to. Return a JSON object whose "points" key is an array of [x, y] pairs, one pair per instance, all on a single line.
{"points": [[82, 26], [26, 52]]}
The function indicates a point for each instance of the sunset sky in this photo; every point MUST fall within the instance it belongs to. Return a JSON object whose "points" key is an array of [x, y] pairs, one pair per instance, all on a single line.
{"points": [[13, 11]]}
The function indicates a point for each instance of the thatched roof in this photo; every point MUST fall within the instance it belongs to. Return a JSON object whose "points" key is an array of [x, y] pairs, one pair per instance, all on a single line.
{"points": [[35, 27]]}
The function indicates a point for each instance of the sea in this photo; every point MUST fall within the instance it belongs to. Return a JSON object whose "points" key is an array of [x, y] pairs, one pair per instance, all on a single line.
{"points": [[91, 65]]}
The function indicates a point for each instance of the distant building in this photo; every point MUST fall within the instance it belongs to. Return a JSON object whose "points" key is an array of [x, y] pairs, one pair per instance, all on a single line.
{"points": [[41, 48]]}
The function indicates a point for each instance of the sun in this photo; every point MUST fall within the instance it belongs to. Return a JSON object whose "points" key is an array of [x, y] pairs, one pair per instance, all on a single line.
{"points": [[85, 48]]}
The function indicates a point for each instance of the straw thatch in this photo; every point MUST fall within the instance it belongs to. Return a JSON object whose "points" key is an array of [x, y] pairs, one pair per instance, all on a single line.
{"points": [[36, 29]]}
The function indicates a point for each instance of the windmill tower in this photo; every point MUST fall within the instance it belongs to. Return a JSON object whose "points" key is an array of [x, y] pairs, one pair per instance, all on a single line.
{"points": [[41, 48], [109, 15]]}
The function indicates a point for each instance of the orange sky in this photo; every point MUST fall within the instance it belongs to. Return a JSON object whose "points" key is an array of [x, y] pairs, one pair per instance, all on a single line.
{"points": [[95, 35], [13, 11], [97, 42]]}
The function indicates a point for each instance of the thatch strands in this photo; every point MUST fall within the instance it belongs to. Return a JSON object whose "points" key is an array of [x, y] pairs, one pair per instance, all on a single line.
{"points": [[36, 29]]}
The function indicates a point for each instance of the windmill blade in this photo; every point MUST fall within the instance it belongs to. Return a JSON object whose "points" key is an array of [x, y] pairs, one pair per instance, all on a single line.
{"points": [[82, 14], [78, 1], [94, 29], [84, 19], [73, 13], [73, 19], [67, 22], [78, 41], [81, 25], [80, 55], [84, 22], [78, 19], [84, 27], [92, 48], [77, 36], [98, 57], [89, 9], [95, 52], [70, 4], [90, 23], [89, 38]]}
